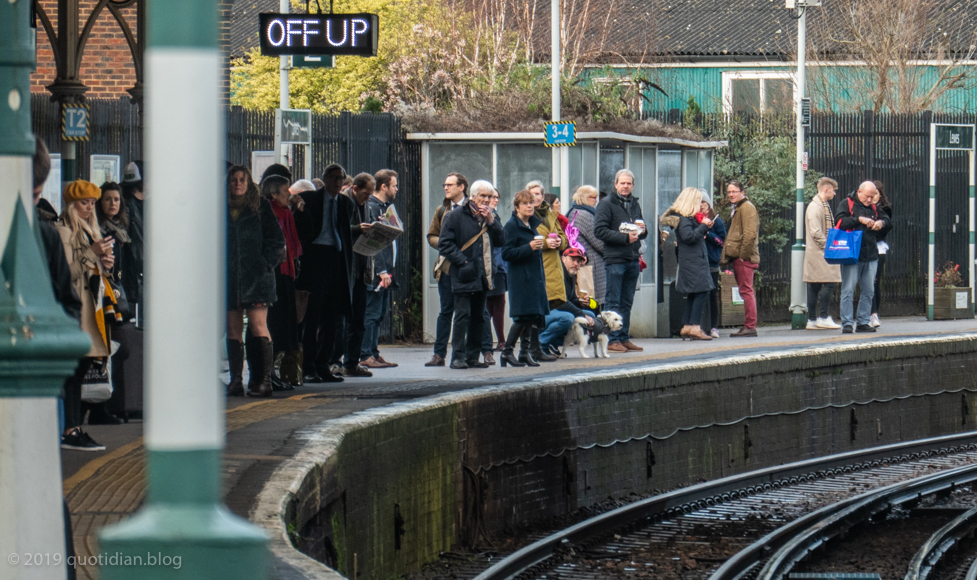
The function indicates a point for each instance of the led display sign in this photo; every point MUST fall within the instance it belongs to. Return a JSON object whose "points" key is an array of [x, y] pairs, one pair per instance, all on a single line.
{"points": [[302, 34]]}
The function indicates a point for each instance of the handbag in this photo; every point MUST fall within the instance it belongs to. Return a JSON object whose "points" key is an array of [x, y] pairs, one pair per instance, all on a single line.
{"points": [[96, 387], [843, 247]]}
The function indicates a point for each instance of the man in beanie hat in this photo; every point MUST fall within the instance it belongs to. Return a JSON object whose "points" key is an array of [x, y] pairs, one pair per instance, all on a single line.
{"points": [[132, 191]]}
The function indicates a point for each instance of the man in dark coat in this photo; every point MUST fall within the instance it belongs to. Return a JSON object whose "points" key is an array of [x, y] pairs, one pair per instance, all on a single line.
{"points": [[323, 228], [363, 187], [858, 213], [378, 292], [466, 240], [132, 192], [621, 253]]}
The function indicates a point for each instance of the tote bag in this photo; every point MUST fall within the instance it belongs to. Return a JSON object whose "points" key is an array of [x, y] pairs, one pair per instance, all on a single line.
{"points": [[842, 247]]}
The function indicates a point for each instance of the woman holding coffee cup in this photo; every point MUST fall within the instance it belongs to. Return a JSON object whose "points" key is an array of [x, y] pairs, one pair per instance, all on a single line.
{"points": [[528, 306], [556, 241]]}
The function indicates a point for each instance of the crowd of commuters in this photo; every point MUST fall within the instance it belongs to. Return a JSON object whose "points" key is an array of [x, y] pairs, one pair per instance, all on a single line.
{"points": [[303, 306]]}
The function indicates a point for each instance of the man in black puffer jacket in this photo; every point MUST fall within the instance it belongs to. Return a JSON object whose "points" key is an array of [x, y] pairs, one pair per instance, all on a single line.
{"points": [[621, 253], [471, 269]]}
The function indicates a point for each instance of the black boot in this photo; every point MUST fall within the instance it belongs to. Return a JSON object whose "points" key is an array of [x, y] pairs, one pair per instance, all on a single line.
{"points": [[507, 358], [525, 347], [535, 349], [235, 360], [261, 360]]}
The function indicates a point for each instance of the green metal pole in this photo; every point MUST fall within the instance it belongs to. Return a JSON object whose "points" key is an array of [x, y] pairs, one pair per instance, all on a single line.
{"points": [[39, 344], [798, 296], [184, 531], [970, 242], [931, 251]]}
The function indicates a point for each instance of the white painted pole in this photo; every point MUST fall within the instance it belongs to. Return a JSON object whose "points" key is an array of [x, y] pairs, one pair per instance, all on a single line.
{"points": [[798, 296], [970, 242], [284, 62], [931, 253], [556, 71]]}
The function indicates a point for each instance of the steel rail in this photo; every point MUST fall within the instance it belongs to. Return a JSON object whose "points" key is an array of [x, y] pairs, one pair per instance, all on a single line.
{"points": [[972, 572], [715, 492], [796, 540], [932, 550]]}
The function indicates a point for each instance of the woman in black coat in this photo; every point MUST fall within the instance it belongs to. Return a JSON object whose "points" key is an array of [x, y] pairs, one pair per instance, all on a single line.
{"points": [[694, 278], [528, 305], [255, 245]]}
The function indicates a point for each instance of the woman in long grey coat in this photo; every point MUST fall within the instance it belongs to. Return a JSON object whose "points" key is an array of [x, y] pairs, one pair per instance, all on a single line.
{"points": [[582, 215], [694, 278]]}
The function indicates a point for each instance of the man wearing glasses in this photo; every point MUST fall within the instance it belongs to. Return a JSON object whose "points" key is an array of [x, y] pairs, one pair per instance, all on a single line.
{"points": [[324, 230], [455, 192]]}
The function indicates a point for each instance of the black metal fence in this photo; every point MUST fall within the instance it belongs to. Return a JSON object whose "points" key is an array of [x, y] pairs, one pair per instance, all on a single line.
{"points": [[893, 149], [360, 142]]}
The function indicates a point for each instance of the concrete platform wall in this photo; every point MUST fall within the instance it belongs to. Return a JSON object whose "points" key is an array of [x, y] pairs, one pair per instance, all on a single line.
{"points": [[393, 487]]}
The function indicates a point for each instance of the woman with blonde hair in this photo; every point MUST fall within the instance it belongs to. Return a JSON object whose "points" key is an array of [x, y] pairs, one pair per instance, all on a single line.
{"points": [[581, 214], [691, 227], [90, 260]]}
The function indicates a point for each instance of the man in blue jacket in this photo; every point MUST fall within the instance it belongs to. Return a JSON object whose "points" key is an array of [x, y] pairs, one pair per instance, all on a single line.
{"points": [[621, 253], [858, 213]]}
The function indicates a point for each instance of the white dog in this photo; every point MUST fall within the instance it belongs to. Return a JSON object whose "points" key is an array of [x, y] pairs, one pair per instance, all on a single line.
{"points": [[605, 322]]}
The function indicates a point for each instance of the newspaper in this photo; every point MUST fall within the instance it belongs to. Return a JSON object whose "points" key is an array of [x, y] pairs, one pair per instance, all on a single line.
{"points": [[380, 234]]}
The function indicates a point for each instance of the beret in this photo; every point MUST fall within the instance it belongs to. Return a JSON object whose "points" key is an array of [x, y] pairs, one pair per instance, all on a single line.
{"points": [[81, 189]]}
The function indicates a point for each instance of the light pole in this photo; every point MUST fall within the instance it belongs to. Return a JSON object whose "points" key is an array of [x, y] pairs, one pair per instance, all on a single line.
{"points": [[283, 100], [798, 298], [39, 344], [183, 524]]}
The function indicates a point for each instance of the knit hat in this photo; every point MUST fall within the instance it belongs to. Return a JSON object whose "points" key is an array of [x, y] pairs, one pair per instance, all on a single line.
{"points": [[81, 189], [276, 169], [131, 173]]}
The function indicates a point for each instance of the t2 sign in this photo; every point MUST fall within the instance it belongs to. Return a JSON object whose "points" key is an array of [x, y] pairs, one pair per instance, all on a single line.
{"points": [[318, 34]]}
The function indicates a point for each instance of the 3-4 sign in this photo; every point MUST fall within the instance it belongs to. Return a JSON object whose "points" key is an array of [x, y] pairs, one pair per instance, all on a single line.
{"points": [[74, 122], [561, 133]]}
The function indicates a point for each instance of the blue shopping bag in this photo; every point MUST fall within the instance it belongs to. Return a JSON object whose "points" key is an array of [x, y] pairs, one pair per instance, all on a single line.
{"points": [[842, 247]]}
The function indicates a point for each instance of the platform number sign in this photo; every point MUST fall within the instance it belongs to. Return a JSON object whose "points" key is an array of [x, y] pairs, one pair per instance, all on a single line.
{"points": [[74, 122], [561, 134]]}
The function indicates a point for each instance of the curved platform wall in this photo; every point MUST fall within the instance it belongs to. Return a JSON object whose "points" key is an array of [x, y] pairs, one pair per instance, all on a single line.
{"points": [[387, 490]]}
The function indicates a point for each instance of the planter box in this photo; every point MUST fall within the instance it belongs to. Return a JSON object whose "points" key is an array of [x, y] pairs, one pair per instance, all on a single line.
{"points": [[731, 311], [952, 303]]}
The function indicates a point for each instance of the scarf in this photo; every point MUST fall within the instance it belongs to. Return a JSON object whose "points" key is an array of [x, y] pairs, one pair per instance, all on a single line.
{"points": [[587, 208], [115, 230], [293, 247], [235, 204], [486, 249], [829, 217], [626, 200]]}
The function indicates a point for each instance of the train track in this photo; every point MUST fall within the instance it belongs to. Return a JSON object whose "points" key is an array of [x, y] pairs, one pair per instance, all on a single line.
{"points": [[733, 527]]}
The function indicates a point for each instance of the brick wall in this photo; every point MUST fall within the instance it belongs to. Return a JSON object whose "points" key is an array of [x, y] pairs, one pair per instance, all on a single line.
{"points": [[106, 66], [511, 456]]}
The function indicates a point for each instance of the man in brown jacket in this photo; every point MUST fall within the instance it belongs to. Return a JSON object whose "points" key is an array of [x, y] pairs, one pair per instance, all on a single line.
{"points": [[742, 248], [455, 191]]}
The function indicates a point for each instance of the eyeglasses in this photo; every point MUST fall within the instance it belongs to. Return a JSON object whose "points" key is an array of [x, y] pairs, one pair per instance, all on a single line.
{"points": [[450, 185]]}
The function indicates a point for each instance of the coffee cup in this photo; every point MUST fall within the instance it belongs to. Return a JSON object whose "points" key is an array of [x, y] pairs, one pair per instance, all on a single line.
{"points": [[539, 238]]}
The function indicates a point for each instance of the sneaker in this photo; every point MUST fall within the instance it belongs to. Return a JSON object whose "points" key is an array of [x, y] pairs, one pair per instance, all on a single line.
{"points": [[864, 328], [812, 325], [80, 442], [875, 321], [847, 330], [714, 333], [827, 323]]}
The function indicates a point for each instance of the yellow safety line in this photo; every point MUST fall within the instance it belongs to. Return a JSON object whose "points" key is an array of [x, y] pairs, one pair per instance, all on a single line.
{"points": [[94, 465]]}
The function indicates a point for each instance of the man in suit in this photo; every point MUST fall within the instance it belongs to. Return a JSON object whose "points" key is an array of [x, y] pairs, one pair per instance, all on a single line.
{"points": [[323, 227], [363, 187]]}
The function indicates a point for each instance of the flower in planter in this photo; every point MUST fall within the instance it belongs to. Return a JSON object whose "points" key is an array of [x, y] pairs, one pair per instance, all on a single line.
{"points": [[948, 276]]}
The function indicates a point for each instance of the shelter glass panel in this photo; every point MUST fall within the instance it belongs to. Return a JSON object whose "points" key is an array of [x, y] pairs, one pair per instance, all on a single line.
{"points": [[669, 186], [583, 165], [518, 165], [611, 161]]}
